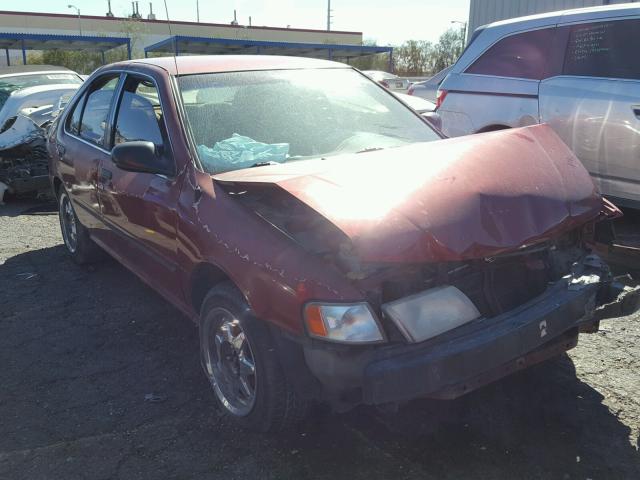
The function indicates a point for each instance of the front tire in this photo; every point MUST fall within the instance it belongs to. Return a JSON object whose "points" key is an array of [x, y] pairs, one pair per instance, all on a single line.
{"points": [[239, 359], [75, 236]]}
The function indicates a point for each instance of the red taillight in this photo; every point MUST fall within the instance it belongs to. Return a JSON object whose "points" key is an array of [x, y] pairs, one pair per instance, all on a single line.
{"points": [[410, 91], [440, 96]]}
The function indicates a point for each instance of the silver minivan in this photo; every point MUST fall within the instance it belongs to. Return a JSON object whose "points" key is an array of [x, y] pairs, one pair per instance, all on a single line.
{"points": [[577, 70]]}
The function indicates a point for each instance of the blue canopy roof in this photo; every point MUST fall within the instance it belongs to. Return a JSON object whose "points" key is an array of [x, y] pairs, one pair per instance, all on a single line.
{"points": [[35, 41], [179, 44]]}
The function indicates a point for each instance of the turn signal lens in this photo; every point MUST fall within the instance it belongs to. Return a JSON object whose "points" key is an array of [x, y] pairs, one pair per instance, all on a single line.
{"points": [[352, 323], [315, 325]]}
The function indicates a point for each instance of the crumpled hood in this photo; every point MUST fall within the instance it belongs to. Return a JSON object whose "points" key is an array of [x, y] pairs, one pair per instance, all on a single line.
{"points": [[455, 199]]}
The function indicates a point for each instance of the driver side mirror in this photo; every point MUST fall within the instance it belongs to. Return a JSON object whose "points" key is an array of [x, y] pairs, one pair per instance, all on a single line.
{"points": [[139, 156]]}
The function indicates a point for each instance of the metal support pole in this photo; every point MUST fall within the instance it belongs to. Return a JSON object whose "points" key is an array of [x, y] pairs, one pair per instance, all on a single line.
{"points": [[175, 46], [24, 54], [258, 49], [391, 61], [146, 54], [6, 51], [330, 54], [129, 48], [103, 60]]}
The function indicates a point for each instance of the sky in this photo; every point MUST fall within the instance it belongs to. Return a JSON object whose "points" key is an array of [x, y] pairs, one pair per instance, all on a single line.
{"points": [[389, 22]]}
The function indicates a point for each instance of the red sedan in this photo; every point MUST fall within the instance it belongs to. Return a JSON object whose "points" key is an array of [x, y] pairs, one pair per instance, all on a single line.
{"points": [[329, 244]]}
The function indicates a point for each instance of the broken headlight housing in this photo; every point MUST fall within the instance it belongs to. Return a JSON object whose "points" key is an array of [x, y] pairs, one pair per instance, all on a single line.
{"points": [[430, 313], [344, 323]]}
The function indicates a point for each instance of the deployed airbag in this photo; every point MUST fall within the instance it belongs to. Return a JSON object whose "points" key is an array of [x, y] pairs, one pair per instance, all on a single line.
{"points": [[240, 152]]}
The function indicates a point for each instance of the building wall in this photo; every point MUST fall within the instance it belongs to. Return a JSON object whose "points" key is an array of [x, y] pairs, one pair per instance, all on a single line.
{"points": [[147, 32], [482, 12]]}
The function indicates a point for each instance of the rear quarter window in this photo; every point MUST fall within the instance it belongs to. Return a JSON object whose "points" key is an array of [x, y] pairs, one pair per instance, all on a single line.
{"points": [[96, 110], [73, 120], [523, 55], [604, 49]]}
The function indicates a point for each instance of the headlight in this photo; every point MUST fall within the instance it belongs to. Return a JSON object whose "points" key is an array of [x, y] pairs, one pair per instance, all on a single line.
{"points": [[352, 323], [432, 312]]}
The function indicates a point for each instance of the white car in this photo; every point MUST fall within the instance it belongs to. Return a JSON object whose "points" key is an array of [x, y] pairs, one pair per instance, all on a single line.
{"points": [[422, 106], [418, 104], [575, 70], [30, 98], [388, 80]]}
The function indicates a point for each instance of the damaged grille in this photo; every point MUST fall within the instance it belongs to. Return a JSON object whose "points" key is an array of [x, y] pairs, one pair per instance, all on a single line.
{"points": [[495, 285], [500, 285]]}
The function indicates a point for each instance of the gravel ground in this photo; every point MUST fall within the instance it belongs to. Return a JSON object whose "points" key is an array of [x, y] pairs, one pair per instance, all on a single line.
{"points": [[81, 349]]}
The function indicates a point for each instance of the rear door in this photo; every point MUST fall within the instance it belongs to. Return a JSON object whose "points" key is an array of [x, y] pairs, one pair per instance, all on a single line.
{"points": [[594, 105], [140, 208], [82, 147]]}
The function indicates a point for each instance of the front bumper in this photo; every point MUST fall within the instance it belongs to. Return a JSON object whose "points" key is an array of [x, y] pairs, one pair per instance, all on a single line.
{"points": [[477, 353]]}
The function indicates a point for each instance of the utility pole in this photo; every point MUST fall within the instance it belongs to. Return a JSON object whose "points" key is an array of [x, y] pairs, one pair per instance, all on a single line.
{"points": [[328, 15], [198, 10], [79, 21], [464, 31]]}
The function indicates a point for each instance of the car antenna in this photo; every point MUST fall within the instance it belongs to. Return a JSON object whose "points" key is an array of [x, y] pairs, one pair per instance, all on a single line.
{"points": [[175, 60]]}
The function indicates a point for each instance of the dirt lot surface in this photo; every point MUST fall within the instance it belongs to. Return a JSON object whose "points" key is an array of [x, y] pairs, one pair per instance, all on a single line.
{"points": [[81, 350]]}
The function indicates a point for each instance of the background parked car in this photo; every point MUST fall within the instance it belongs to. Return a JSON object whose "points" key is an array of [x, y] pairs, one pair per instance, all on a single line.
{"points": [[422, 106], [428, 89], [576, 70], [418, 104], [388, 80]]}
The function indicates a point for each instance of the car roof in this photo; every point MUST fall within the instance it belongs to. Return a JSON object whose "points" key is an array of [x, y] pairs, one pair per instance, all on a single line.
{"points": [[33, 69], [486, 35], [187, 65], [569, 15]]}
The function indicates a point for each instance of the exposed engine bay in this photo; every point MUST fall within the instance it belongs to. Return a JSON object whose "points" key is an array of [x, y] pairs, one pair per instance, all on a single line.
{"points": [[26, 112], [23, 157], [494, 284]]}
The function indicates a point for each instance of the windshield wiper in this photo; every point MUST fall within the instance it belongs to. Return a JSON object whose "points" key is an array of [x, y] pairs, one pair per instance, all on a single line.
{"points": [[264, 164], [370, 149]]}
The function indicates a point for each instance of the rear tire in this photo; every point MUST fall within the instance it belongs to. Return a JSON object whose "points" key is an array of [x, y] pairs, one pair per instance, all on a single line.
{"points": [[75, 236], [239, 359]]}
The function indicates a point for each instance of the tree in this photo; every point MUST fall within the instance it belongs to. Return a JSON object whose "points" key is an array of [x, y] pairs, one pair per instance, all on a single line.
{"points": [[417, 57], [379, 61], [79, 61], [411, 58], [447, 50]]}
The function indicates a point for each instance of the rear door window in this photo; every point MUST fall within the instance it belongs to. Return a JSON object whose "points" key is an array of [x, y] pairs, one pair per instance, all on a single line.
{"points": [[604, 49], [522, 55], [96, 111]]}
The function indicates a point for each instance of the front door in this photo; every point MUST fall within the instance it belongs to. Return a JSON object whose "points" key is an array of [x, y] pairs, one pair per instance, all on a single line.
{"points": [[139, 208]]}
